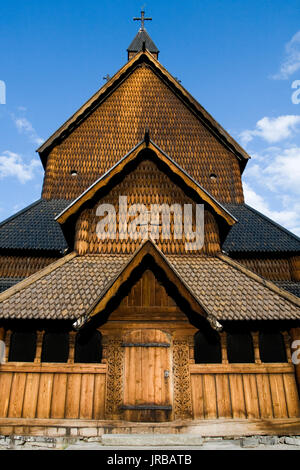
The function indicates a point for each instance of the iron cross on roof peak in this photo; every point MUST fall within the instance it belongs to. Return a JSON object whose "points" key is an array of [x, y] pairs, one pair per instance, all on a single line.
{"points": [[142, 19]]}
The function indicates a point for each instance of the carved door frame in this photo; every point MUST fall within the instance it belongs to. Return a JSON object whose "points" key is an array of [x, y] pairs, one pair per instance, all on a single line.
{"points": [[180, 371]]}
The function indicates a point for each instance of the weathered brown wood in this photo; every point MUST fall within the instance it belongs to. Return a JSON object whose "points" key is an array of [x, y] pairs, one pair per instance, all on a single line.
{"points": [[23, 266], [205, 428], [291, 393], [283, 293], [278, 396], [87, 396], [31, 395], [52, 368], [263, 368], [264, 394], [73, 395], [197, 396], [251, 396], [223, 396], [2, 333], [17, 395], [210, 396], [144, 368], [145, 250], [99, 397], [38, 275], [255, 339], [39, 344], [274, 269], [59, 391], [295, 268], [5, 389], [118, 169], [45, 395], [237, 396]]}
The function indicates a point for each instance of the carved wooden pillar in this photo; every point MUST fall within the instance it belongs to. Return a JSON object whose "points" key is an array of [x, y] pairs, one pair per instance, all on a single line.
{"points": [[39, 346], [2, 333], [72, 339], [7, 344], [183, 408], [191, 343], [255, 339], [295, 345], [287, 343], [114, 377], [223, 337]]}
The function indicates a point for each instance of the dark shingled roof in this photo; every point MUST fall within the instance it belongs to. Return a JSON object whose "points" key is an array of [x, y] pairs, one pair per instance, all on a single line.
{"points": [[7, 282], [290, 286], [137, 43], [34, 228], [256, 233]]}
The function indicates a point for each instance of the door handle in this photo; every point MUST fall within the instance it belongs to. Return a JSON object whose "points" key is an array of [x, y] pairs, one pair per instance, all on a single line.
{"points": [[166, 374]]}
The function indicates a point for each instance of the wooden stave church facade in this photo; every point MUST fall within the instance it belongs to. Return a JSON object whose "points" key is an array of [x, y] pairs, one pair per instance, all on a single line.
{"points": [[143, 131]]}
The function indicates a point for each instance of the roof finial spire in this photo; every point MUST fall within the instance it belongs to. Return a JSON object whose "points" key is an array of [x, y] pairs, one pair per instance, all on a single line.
{"points": [[142, 19]]}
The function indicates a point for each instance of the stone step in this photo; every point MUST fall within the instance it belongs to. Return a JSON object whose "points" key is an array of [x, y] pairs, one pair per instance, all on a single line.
{"points": [[150, 440]]}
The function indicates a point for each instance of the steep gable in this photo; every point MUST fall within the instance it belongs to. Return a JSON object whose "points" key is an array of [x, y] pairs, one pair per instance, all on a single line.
{"points": [[148, 177], [90, 144]]}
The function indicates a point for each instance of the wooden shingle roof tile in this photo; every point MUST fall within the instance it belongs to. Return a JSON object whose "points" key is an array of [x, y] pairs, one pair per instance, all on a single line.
{"points": [[71, 287], [111, 124], [64, 293], [231, 292]]}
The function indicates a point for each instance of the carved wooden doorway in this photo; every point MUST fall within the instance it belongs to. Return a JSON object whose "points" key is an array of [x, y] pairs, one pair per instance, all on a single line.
{"points": [[147, 376]]}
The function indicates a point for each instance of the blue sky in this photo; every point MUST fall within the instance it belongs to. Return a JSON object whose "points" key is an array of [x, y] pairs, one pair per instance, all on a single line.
{"points": [[238, 58]]}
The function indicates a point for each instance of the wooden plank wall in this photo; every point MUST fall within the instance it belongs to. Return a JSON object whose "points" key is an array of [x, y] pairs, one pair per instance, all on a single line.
{"points": [[259, 392], [48, 392]]}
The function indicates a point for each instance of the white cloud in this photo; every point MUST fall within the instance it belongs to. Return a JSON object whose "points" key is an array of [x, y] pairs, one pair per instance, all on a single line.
{"points": [[284, 171], [12, 165], [25, 127], [272, 129], [289, 218], [273, 185], [277, 169], [291, 62]]}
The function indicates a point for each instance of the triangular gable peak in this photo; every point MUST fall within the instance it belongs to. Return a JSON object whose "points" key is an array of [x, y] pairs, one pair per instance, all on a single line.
{"points": [[141, 95], [146, 176], [108, 88], [147, 256]]}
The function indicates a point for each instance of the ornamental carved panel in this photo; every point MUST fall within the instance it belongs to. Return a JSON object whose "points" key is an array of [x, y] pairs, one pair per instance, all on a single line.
{"points": [[114, 381], [182, 380]]}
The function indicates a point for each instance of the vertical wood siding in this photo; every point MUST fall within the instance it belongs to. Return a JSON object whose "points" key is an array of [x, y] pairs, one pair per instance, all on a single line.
{"points": [[43, 392], [261, 393]]}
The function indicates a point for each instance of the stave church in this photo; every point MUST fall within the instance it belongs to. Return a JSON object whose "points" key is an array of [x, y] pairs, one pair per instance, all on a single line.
{"points": [[105, 332]]}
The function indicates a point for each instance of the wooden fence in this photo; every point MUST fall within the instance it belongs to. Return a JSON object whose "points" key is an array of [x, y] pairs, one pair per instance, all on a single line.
{"points": [[244, 391], [52, 391]]}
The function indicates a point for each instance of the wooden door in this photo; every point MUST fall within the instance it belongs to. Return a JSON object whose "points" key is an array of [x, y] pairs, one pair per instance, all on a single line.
{"points": [[147, 376]]}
